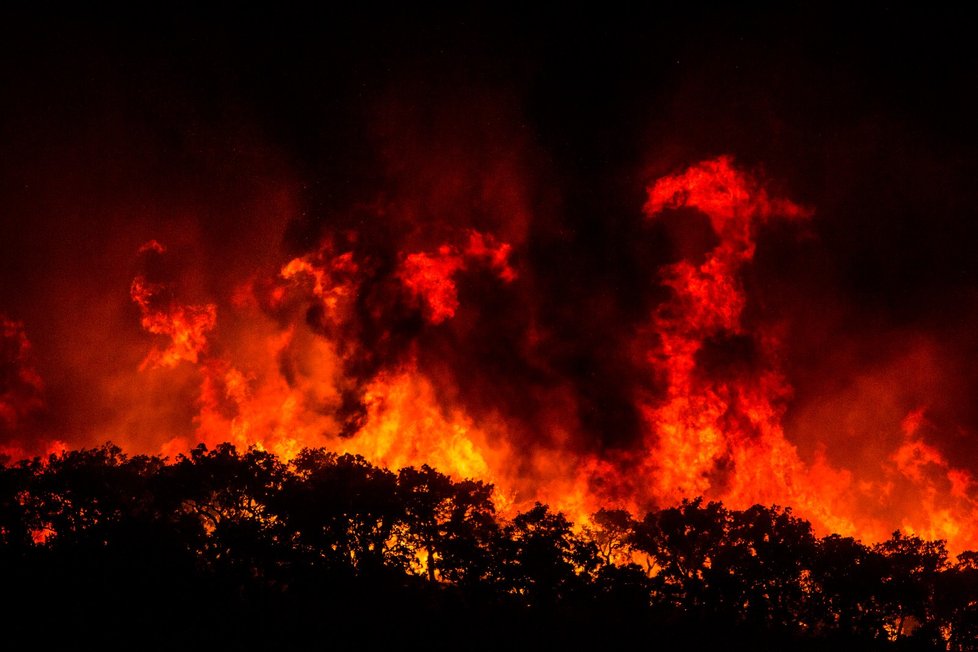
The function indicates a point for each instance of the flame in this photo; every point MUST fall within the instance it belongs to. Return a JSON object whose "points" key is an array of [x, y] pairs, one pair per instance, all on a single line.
{"points": [[405, 424], [719, 431], [716, 429], [429, 277], [185, 325], [345, 347]]}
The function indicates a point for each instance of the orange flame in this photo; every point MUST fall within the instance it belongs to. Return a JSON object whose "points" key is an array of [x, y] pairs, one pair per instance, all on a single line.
{"points": [[291, 367], [186, 326], [720, 433]]}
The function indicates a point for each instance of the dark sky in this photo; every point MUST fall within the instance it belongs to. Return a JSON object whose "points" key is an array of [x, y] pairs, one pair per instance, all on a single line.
{"points": [[116, 129]]}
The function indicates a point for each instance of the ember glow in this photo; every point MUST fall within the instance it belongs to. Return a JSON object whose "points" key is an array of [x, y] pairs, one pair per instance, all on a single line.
{"points": [[456, 297]]}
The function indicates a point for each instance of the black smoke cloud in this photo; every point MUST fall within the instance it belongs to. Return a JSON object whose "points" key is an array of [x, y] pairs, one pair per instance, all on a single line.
{"points": [[242, 141]]}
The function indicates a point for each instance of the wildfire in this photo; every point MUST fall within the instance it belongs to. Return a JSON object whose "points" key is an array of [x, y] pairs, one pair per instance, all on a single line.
{"points": [[185, 325], [429, 277], [21, 388], [344, 347], [717, 433]]}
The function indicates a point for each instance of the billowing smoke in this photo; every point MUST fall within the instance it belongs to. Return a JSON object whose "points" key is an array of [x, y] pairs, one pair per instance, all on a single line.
{"points": [[610, 261], [21, 388]]}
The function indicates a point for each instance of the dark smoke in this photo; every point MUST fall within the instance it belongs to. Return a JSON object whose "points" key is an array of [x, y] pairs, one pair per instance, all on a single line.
{"points": [[244, 142]]}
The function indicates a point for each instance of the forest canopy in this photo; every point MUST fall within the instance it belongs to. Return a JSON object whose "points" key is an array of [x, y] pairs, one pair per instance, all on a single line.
{"points": [[228, 547]]}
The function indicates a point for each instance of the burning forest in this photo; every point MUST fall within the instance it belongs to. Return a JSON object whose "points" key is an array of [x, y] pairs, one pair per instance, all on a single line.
{"points": [[605, 268]]}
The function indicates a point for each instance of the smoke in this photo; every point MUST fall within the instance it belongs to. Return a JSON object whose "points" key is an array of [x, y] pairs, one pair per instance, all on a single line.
{"points": [[426, 239], [21, 388]]}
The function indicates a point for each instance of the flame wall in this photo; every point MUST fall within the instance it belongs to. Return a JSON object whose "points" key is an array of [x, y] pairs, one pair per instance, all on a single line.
{"points": [[596, 261]]}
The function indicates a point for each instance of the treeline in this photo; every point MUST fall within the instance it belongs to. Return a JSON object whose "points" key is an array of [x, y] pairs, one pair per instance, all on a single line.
{"points": [[240, 550]]}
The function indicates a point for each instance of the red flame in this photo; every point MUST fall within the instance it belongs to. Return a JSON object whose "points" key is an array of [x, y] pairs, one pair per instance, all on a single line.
{"points": [[429, 277], [344, 347], [185, 325]]}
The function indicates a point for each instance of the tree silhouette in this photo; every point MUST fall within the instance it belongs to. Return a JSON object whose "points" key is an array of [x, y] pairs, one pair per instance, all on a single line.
{"points": [[235, 535], [19, 515], [543, 557], [327, 542], [846, 576], [612, 531], [767, 560], [452, 524], [683, 542], [342, 513], [956, 602], [912, 567]]}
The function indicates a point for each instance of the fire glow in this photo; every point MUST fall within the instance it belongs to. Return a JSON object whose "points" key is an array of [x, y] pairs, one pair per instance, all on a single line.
{"points": [[345, 347]]}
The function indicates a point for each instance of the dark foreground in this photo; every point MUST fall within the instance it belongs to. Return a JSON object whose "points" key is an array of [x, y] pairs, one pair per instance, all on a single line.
{"points": [[223, 550]]}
